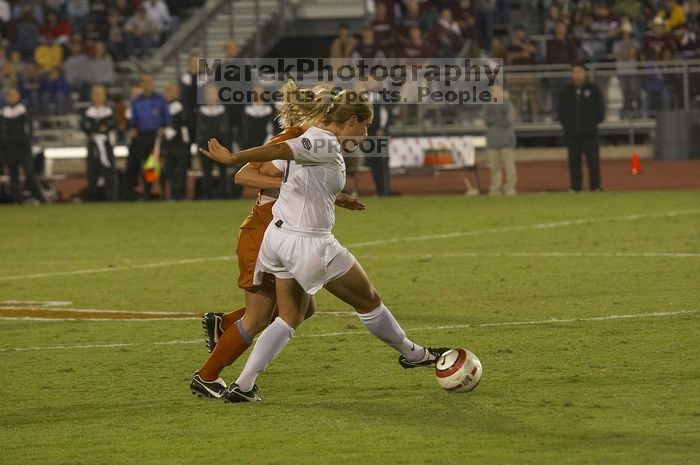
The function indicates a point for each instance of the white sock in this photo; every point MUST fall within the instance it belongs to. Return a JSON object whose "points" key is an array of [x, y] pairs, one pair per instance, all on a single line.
{"points": [[269, 345], [384, 326]]}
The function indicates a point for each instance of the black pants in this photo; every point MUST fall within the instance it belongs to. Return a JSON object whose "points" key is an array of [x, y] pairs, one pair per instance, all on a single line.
{"points": [[18, 154], [103, 181], [379, 164], [587, 146], [177, 161], [139, 150]]}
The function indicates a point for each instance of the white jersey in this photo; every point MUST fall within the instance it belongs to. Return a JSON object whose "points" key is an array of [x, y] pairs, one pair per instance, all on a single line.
{"points": [[311, 183]]}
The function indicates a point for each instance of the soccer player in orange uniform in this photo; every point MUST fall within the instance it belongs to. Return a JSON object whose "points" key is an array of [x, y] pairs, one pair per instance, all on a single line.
{"points": [[229, 335]]}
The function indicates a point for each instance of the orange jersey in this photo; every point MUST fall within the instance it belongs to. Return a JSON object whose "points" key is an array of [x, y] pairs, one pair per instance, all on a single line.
{"points": [[252, 230]]}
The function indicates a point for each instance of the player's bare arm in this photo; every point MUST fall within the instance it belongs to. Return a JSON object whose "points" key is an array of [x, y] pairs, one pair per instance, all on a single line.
{"points": [[221, 154], [259, 176]]}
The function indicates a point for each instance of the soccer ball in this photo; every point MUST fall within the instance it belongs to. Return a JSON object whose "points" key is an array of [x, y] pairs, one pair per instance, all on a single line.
{"points": [[458, 370]]}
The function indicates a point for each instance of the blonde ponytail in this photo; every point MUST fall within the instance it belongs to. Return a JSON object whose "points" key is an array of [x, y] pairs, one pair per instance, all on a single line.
{"points": [[320, 105]]}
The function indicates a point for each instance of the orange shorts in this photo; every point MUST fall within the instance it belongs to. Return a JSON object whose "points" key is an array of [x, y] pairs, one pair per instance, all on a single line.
{"points": [[250, 237]]}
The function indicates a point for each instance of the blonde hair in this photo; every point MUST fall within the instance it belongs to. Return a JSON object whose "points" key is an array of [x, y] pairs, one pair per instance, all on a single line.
{"points": [[320, 105]]}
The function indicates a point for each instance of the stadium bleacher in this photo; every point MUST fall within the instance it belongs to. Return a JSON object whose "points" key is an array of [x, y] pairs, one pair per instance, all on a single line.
{"points": [[46, 42]]}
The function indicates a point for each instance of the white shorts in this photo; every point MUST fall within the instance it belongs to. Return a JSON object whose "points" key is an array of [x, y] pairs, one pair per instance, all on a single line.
{"points": [[311, 259]]}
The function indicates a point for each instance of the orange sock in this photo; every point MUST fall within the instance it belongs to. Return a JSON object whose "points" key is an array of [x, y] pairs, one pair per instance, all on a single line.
{"points": [[230, 346], [231, 317]]}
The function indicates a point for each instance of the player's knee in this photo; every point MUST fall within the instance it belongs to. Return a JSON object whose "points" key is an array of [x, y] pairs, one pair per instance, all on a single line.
{"points": [[369, 303]]}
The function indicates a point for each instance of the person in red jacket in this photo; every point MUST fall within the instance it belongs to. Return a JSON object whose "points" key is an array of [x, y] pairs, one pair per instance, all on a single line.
{"points": [[55, 29]]}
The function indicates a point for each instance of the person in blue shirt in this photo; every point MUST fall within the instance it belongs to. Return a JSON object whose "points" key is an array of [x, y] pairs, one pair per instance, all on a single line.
{"points": [[149, 116]]}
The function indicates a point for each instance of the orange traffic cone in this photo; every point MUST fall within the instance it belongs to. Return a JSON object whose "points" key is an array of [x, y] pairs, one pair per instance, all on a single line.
{"points": [[635, 164]]}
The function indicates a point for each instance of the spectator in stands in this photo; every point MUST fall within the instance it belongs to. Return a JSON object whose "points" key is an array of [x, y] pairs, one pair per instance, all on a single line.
{"points": [[342, 47], [11, 70], [500, 143], [159, 14], [498, 49], [77, 11], [689, 34], [149, 116], [74, 70], [55, 30], [523, 87], [412, 18], [389, 7], [383, 28], [212, 122], [581, 110], [27, 33], [417, 51], [626, 52], [601, 31], [466, 16], [122, 9], [560, 50], [30, 87], [141, 34], [176, 145], [447, 36], [672, 14], [368, 50], [93, 32], [35, 9], [5, 17], [98, 11], [48, 55], [116, 38], [16, 141], [99, 123], [554, 15], [100, 66], [55, 93], [658, 40]]}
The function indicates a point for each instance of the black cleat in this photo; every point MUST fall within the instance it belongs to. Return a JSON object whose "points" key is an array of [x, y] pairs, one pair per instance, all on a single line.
{"points": [[432, 354], [212, 389], [211, 322], [234, 394]]}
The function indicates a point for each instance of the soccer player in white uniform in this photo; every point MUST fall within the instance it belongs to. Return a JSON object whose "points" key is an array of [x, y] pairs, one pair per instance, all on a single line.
{"points": [[299, 248]]}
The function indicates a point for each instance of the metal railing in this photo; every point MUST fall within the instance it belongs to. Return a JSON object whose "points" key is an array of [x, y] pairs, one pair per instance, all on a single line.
{"points": [[194, 31]]}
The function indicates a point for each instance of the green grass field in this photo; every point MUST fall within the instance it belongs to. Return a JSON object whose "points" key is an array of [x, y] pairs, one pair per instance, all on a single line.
{"points": [[584, 310]]}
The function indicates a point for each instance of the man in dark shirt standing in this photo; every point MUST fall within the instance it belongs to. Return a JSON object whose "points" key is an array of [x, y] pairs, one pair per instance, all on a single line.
{"points": [[581, 109], [149, 117]]}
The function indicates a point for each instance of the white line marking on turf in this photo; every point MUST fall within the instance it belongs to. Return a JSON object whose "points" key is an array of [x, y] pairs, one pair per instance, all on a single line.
{"points": [[476, 232], [116, 268], [537, 254], [352, 333], [554, 224]]}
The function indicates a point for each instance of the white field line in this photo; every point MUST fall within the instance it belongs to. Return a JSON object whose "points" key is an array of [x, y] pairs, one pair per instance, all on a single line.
{"points": [[537, 254], [476, 232], [554, 224], [354, 333]]}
